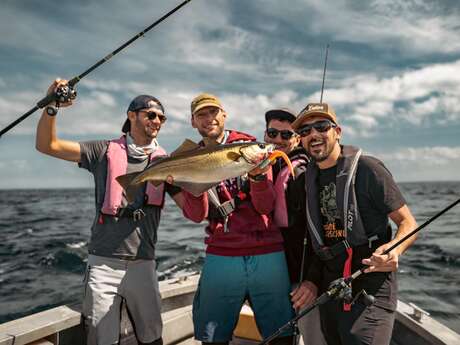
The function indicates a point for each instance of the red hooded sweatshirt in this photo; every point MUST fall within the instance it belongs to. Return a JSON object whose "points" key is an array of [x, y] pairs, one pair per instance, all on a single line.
{"points": [[250, 227]]}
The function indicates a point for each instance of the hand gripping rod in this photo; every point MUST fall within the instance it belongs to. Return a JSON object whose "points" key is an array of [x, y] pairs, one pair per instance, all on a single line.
{"points": [[336, 287]]}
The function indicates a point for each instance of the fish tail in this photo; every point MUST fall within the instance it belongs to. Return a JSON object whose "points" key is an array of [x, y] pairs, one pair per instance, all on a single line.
{"points": [[126, 182]]}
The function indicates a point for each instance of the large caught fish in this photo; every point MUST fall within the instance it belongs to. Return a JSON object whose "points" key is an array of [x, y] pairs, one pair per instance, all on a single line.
{"points": [[196, 169]]}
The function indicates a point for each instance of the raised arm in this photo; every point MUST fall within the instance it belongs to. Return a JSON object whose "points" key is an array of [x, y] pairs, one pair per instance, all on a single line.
{"points": [[47, 141]]}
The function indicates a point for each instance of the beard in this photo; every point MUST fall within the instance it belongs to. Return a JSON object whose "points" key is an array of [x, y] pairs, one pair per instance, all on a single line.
{"points": [[213, 134], [320, 155], [148, 131]]}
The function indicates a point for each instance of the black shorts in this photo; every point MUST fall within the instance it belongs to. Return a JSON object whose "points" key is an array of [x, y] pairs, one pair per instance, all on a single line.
{"points": [[362, 325]]}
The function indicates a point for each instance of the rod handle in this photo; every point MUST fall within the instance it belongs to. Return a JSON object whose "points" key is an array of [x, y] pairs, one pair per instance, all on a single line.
{"points": [[46, 100]]}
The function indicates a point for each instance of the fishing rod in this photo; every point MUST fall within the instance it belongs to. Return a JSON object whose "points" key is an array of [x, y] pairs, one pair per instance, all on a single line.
{"points": [[324, 74], [66, 93], [341, 288], [294, 325]]}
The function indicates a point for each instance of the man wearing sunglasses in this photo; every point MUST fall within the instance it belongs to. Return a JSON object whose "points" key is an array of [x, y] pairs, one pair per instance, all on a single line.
{"points": [[121, 261], [279, 132], [244, 254], [347, 200]]}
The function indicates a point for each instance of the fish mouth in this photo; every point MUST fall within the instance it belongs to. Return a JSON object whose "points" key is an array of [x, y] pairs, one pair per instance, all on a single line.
{"points": [[256, 159]]}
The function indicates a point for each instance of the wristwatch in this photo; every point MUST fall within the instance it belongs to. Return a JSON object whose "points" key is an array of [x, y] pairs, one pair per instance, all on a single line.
{"points": [[258, 178], [51, 111]]}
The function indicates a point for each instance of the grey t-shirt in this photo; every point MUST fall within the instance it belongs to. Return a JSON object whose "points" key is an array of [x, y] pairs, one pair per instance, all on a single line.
{"points": [[120, 237]]}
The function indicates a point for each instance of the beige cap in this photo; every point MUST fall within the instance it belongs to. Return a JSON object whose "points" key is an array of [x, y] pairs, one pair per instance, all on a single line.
{"points": [[205, 100], [315, 109]]}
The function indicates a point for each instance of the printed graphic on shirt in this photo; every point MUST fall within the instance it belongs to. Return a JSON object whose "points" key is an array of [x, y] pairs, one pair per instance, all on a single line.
{"points": [[332, 224]]}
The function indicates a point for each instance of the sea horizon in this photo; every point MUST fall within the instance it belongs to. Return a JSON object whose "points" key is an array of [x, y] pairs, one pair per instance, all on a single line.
{"points": [[90, 187], [44, 234]]}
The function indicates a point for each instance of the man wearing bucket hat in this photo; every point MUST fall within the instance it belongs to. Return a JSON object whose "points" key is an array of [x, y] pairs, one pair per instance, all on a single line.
{"points": [[347, 201], [121, 261], [244, 255]]}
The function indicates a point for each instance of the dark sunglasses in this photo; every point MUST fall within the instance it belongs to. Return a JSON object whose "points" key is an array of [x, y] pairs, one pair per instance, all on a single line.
{"points": [[151, 115], [320, 126], [285, 133]]}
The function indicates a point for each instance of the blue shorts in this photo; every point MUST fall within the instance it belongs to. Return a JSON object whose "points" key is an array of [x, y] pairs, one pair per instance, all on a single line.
{"points": [[227, 281]]}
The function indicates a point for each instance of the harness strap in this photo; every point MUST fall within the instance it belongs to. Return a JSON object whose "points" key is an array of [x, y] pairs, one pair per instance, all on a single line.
{"points": [[224, 209], [347, 273], [328, 253]]}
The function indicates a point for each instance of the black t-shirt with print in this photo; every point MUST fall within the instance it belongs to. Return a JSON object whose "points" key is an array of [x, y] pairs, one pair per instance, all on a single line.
{"points": [[333, 229], [377, 195]]}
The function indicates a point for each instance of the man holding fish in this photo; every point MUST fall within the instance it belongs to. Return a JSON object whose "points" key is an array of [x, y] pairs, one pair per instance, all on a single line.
{"points": [[244, 255], [121, 261]]}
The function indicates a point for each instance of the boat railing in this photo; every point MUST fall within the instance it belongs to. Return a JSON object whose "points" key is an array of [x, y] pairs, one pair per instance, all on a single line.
{"points": [[63, 325]]}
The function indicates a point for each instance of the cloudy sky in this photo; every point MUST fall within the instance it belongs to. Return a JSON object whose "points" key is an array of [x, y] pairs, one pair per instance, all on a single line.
{"points": [[393, 73]]}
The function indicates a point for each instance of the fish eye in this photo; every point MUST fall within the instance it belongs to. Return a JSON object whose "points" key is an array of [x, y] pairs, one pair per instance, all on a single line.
{"points": [[262, 146]]}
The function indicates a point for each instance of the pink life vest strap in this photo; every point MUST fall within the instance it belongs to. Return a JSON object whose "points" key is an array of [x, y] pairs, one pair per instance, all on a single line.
{"points": [[117, 164], [280, 213]]}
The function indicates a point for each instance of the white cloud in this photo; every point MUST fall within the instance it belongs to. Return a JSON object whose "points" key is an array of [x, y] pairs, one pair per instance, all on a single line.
{"points": [[421, 97], [423, 163], [413, 27], [15, 165], [428, 95], [438, 155]]}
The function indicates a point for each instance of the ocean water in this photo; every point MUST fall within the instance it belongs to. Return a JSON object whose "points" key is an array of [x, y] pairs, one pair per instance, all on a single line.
{"points": [[44, 234]]}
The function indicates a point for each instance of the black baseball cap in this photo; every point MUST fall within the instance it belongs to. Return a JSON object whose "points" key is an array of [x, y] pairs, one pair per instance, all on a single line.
{"points": [[282, 114], [142, 102]]}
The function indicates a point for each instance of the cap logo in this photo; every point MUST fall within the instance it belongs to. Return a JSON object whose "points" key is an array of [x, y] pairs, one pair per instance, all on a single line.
{"points": [[151, 103], [316, 107]]}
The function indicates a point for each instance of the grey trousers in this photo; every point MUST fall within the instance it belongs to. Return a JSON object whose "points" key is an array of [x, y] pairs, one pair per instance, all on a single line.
{"points": [[310, 327], [108, 281]]}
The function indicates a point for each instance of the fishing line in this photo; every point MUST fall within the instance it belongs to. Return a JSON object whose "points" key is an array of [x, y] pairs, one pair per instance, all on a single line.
{"points": [[324, 74], [68, 92]]}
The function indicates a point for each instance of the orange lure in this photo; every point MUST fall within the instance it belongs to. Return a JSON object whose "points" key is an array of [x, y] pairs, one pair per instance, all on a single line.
{"points": [[272, 158]]}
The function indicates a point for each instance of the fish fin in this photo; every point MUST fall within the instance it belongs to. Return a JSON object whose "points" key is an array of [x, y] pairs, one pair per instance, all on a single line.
{"points": [[187, 145], [233, 156], [196, 188], [130, 189]]}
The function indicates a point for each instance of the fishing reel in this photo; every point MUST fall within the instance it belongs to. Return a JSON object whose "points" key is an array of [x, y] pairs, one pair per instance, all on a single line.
{"points": [[65, 94], [340, 289]]}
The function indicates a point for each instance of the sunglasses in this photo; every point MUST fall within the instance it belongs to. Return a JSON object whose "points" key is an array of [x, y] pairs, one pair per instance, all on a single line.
{"points": [[285, 133], [151, 115], [320, 126]]}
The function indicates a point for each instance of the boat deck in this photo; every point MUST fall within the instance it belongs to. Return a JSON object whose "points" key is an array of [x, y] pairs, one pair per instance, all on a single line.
{"points": [[62, 325]]}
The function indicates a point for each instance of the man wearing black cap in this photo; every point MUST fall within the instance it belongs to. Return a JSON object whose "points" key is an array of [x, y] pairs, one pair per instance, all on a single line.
{"points": [[279, 131], [121, 262]]}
